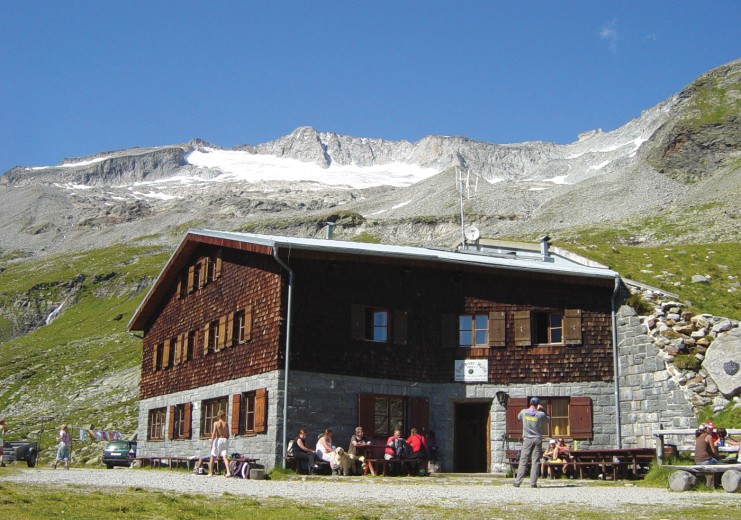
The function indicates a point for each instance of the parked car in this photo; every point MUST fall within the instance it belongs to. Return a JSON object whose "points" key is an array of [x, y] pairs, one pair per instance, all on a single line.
{"points": [[14, 451], [119, 453]]}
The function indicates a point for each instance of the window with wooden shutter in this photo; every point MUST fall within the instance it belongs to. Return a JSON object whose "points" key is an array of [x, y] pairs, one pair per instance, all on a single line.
{"points": [[155, 357], [179, 349], [497, 330], [236, 413], [261, 410], [171, 423], [218, 263], [179, 289], [202, 270], [580, 417], [513, 426], [400, 327], [522, 328], [572, 327], [247, 323]]}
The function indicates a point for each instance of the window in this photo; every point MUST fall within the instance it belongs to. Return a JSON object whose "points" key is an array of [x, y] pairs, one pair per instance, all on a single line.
{"points": [[570, 416], [156, 425], [547, 327], [210, 337], [378, 324], [473, 330], [241, 326], [209, 414], [180, 417], [190, 345], [249, 410], [381, 414], [157, 355], [171, 352]]}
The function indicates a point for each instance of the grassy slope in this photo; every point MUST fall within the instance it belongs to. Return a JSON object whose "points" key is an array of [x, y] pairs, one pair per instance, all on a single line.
{"points": [[59, 369]]}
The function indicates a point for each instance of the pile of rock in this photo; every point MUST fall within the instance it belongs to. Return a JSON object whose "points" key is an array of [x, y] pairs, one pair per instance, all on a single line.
{"points": [[709, 348]]}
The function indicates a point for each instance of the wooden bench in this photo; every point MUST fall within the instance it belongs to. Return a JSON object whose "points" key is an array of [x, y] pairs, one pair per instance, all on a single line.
{"points": [[399, 465], [728, 474], [295, 465]]}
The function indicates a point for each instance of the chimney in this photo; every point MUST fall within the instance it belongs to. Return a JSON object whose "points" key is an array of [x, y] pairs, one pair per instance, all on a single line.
{"points": [[544, 243], [330, 230]]}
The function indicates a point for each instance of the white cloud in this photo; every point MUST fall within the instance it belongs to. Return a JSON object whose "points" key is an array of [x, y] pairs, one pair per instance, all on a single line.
{"points": [[610, 35]]}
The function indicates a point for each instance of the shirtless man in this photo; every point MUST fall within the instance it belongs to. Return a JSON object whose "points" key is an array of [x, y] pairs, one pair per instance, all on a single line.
{"points": [[219, 443]]}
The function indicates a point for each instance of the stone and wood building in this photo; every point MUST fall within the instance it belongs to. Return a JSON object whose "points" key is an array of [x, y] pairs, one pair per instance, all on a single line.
{"points": [[284, 333]]}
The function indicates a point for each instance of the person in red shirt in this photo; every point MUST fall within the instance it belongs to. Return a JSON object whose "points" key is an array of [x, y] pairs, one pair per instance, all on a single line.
{"points": [[418, 444]]}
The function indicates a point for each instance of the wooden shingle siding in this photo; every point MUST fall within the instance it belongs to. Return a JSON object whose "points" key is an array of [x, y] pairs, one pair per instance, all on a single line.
{"points": [[248, 281]]}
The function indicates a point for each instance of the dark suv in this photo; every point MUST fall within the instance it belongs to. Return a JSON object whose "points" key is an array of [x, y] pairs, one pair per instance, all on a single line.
{"points": [[119, 453]]}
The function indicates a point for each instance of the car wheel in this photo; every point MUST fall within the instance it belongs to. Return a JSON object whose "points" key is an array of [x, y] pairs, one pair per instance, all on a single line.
{"points": [[32, 460]]}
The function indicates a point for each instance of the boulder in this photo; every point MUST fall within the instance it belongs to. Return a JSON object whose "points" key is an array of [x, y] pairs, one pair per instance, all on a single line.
{"points": [[682, 481], [723, 362]]}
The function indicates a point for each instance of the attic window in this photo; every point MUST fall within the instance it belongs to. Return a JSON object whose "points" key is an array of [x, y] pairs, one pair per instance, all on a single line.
{"points": [[548, 327]]}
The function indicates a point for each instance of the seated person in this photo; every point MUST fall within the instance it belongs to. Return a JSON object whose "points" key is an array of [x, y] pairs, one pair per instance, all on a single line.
{"points": [[325, 450], [358, 444], [390, 451], [418, 444], [705, 450], [550, 455], [302, 452], [725, 440], [564, 453]]}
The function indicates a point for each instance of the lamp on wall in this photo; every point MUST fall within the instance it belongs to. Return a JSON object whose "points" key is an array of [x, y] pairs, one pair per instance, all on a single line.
{"points": [[502, 398]]}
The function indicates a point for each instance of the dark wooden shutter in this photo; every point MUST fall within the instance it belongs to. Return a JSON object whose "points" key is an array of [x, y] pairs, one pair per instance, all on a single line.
{"points": [[179, 289], [572, 327], [522, 328], [171, 423], [165, 361], [155, 359], [229, 339], [261, 410], [513, 426], [191, 278], [357, 321], [218, 263], [497, 321], [178, 348], [236, 407], [221, 338], [248, 323], [367, 414], [202, 272], [187, 418], [206, 333], [449, 331], [580, 417], [400, 327], [419, 414]]}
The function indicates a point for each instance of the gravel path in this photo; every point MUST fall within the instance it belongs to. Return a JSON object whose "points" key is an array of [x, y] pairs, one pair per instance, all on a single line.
{"points": [[457, 492]]}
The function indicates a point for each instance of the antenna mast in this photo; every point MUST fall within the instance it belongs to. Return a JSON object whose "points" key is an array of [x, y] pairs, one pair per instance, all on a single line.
{"points": [[463, 183]]}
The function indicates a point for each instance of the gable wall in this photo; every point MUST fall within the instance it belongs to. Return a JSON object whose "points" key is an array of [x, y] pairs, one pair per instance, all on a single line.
{"points": [[246, 279]]}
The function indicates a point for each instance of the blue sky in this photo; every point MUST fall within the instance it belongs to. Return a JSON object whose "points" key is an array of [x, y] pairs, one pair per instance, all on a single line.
{"points": [[81, 77]]}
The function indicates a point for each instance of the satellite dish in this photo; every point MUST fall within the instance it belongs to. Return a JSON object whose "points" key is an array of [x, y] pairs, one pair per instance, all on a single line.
{"points": [[472, 233]]}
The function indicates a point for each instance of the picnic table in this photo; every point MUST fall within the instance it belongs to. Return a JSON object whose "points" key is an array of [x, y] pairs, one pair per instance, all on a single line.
{"points": [[613, 459]]}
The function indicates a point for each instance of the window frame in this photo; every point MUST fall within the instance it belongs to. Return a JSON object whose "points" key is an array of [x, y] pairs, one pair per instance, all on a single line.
{"points": [[372, 328], [156, 421], [209, 413], [543, 328], [474, 331], [416, 414]]}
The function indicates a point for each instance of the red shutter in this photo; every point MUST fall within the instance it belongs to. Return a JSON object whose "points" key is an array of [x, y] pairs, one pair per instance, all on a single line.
{"points": [[497, 329], [171, 423], [236, 404], [419, 414], [513, 427], [357, 321], [261, 410], [367, 414], [522, 328], [187, 419], [400, 327], [449, 331], [572, 327], [580, 417]]}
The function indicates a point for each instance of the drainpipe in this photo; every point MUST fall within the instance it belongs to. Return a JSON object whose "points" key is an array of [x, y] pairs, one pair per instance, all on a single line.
{"points": [[616, 363], [288, 347]]}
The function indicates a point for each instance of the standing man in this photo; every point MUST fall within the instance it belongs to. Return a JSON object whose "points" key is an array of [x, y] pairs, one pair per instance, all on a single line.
{"points": [[533, 419], [2, 440], [219, 443]]}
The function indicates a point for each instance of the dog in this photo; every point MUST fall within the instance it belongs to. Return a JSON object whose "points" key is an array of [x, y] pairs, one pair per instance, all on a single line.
{"points": [[346, 463]]}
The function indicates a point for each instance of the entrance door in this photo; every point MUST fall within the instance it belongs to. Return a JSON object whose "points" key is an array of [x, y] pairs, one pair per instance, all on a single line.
{"points": [[472, 438]]}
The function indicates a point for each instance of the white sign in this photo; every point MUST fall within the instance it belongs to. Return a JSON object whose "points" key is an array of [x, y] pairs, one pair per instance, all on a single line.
{"points": [[472, 370]]}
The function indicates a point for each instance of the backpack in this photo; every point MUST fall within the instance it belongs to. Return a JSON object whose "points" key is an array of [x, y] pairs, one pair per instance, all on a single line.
{"points": [[290, 452], [402, 449]]}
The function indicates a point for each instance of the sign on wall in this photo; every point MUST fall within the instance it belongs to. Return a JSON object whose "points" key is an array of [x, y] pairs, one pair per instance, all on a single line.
{"points": [[471, 370]]}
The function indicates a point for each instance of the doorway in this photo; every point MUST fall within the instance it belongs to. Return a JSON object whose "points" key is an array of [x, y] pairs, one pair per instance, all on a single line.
{"points": [[472, 454]]}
